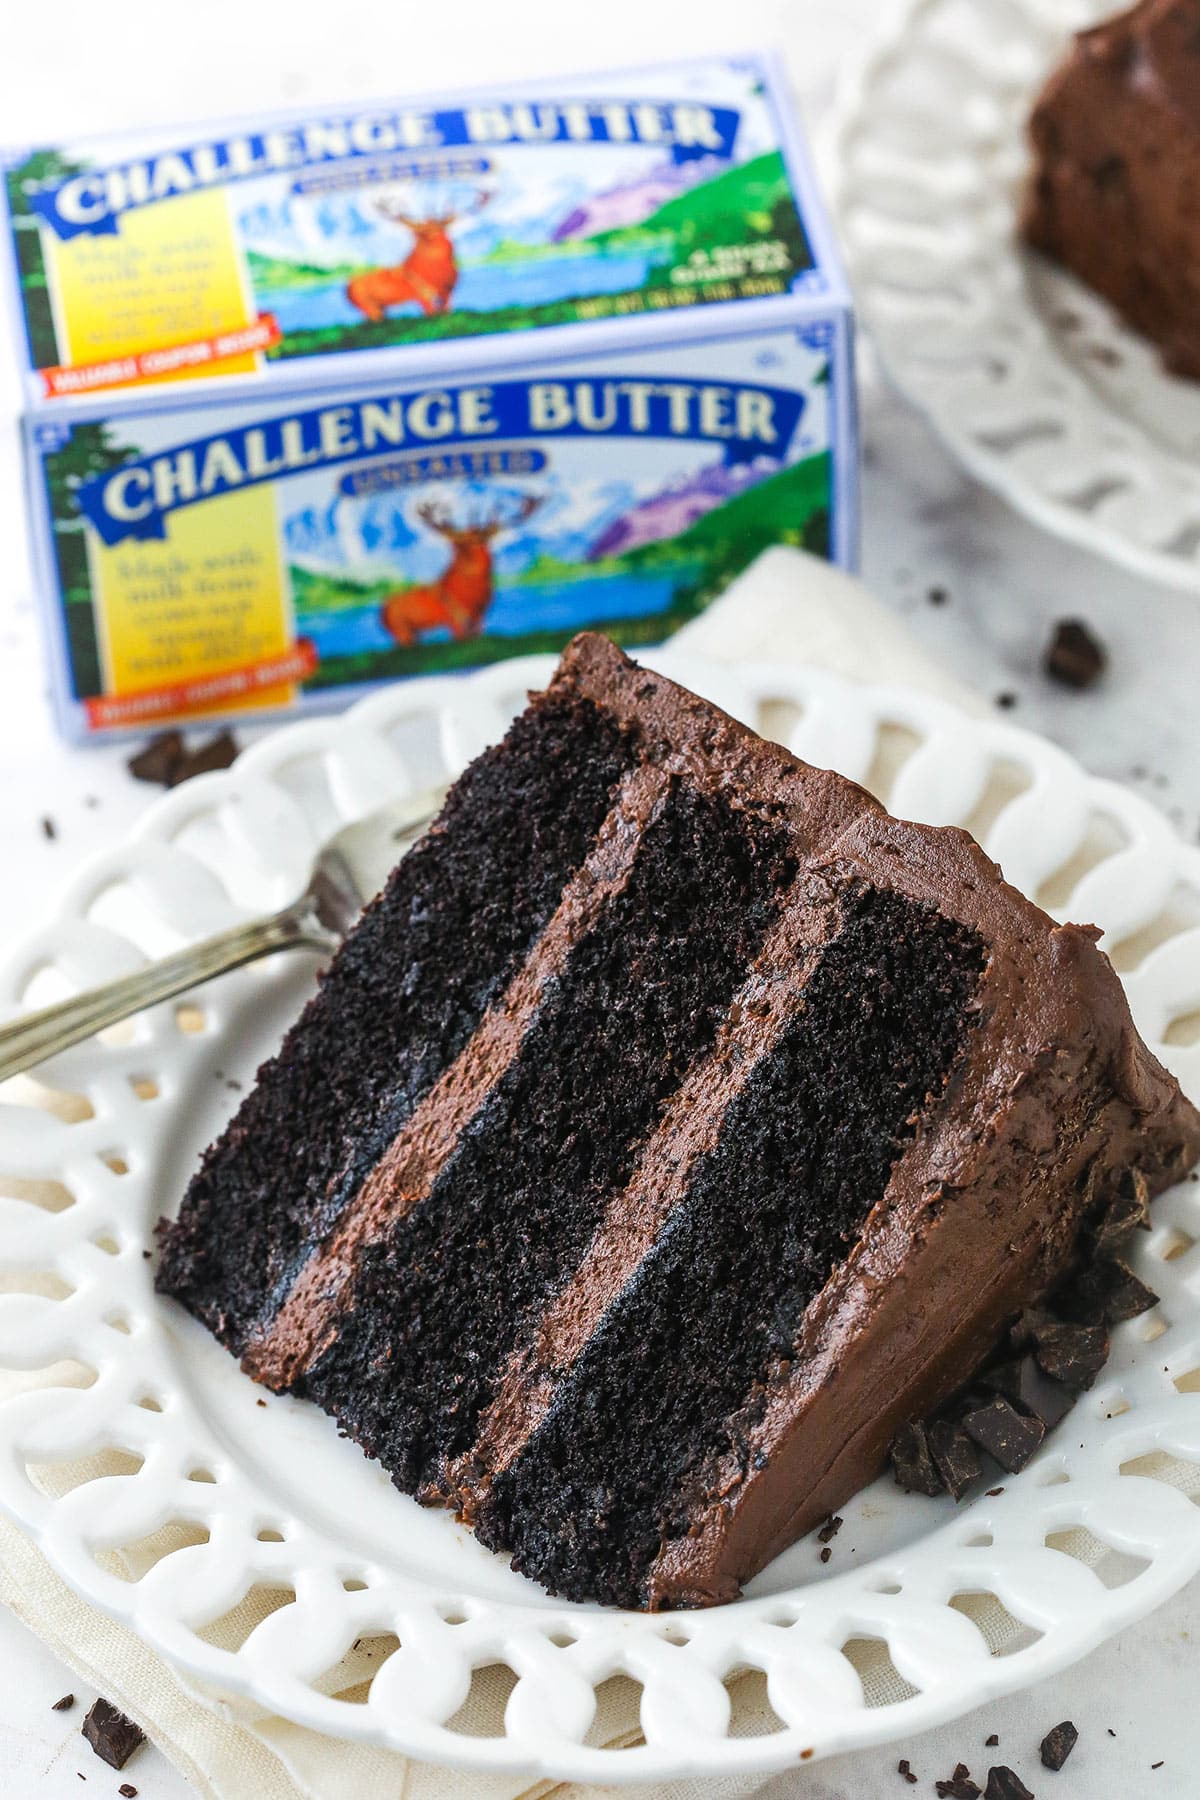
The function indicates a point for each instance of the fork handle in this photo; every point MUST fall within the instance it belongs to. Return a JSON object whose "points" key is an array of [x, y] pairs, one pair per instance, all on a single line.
{"points": [[40, 1035]]}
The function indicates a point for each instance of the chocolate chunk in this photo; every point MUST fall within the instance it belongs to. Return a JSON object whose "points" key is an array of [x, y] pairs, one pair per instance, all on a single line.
{"points": [[219, 753], [159, 760], [1004, 1783], [65, 1704], [167, 760], [1072, 1354], [1111, 1291], [955, 1456], [112, 1736], [1023, 1382], [1127, 1211], [959, 1786], [1058, 1744], [902, 1768], [1023, 1334], [830, 1529], [1074, 656], [912, 1461], [1007, 1435]]}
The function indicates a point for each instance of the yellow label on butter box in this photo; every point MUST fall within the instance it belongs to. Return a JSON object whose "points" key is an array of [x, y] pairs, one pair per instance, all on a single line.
{"points": [[173, 277], [211, 598]]}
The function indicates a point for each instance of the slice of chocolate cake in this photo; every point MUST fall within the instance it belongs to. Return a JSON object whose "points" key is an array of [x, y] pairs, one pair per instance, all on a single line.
{"points": [[1115, 192], [675, 1127]]}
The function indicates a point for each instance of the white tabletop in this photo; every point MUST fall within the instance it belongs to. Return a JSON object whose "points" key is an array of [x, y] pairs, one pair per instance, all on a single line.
{"points": [[927, 527]]}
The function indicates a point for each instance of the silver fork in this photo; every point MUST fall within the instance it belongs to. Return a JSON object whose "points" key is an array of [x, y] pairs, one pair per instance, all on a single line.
{"points": [[347, 871]]}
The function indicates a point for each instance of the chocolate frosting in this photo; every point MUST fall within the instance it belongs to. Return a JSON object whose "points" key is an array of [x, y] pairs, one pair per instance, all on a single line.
{"points": [[1055, 1097], [1116, 139]]}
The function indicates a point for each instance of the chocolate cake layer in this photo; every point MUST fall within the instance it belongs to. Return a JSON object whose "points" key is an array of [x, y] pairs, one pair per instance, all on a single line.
{"points": [[807, 1145], [396, 1006], [1115, 191], [761, 1126], [512, 1210]]}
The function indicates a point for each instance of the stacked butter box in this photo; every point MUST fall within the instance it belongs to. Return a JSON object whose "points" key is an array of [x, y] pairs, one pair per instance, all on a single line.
{"points": [[315, 401]]}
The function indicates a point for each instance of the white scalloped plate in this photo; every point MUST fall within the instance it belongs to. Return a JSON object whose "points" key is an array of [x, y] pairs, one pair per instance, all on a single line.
{"points": [[1025, 374], [174, 1495]]}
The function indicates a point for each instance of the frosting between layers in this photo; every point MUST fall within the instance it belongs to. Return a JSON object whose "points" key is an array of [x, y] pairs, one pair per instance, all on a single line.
{"points": [[1055, 1096], [1055, 1078], [307, 1321], [760, 1012]]}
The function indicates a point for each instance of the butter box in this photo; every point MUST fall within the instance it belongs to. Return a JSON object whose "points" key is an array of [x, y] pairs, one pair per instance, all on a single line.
{"points": [[318, 401]]}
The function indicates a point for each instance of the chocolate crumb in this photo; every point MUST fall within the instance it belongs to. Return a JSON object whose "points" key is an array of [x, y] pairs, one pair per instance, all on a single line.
{"points": [[954, 1455], [902, 1768], [937, 596], [1072, 1354], [167, 761], [1157, 1765], [1007, 700], [91, 801], [959, 1786], [1058, 1744], [127, 1791], [1127, 1211], [1074, 656], [260, 1403], [158, 760], [1024, 1383], [912, 1461], [219, 753], [830, 1529], [826, 1554], [1028, 1323], [1110, 1731], [49, 828], [65, 1704], [989, 1743], [1007, 1435], [1114, 1292], [112, 1736], [1004, 1783], [993, 1492]]}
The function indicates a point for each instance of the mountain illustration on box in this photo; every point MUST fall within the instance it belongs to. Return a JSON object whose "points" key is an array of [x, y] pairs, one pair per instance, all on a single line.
{"points": [[436, 260], [632, 202], [597, 520], [467, 572], [669, 513], [385, 531]]}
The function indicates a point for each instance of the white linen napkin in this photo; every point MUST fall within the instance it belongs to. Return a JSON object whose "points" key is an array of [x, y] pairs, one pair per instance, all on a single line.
{"points": [[788, 607]]}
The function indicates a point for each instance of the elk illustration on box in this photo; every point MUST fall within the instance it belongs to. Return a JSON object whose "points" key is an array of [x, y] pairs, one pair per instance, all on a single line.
{"points": [[428, 275], [462, 593]]}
